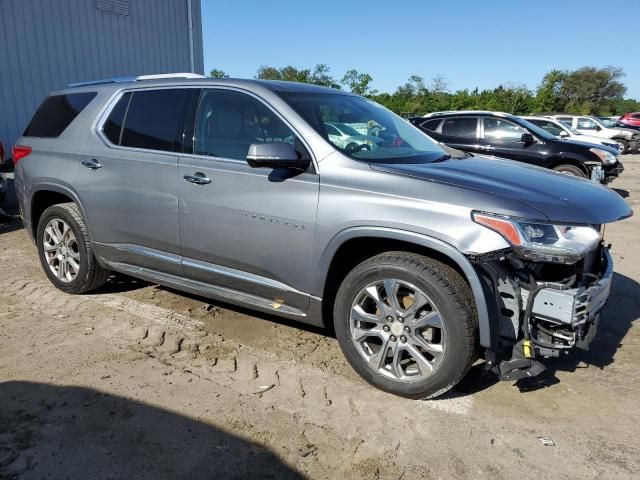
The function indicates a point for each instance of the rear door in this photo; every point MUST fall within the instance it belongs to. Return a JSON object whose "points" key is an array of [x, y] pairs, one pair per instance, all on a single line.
{"points": [[461, 133], [249, 230], [127, 181]]}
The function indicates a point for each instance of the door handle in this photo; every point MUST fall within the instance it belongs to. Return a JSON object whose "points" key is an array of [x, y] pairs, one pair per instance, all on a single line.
{"points": [[93, 164], [198, 179]]}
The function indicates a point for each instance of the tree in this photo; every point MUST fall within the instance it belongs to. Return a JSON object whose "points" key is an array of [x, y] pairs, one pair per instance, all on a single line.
{"points": [[321, 76], [548, 97], [357, 82], [591, 90], [268, 73], [216, 73], [439, 84]]}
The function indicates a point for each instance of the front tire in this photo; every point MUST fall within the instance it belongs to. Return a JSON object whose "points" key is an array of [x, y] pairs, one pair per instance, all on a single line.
{"points": [[65, 250], [407, 324], [623, 145], [570, 170]]}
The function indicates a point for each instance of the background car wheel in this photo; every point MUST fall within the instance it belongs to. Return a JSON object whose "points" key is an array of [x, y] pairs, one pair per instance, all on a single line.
{"points": [[570, 170], [65, 250], [407, 324], [623, 145]]}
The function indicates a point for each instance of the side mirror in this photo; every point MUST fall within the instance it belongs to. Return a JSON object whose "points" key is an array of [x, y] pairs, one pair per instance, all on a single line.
{"points": [[598, 128], [563, 134], [275, 155], [527, 138]]}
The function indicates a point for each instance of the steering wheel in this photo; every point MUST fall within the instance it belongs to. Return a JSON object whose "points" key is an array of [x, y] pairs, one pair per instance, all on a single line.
{"points": [[354, 147]]}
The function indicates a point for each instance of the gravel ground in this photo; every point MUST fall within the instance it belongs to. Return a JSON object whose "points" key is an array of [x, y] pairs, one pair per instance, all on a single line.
{"points": [[140, 381]]}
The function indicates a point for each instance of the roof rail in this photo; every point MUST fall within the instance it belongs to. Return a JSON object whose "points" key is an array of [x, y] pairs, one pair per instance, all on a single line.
{"points": [[104, 80], [159, 76]]}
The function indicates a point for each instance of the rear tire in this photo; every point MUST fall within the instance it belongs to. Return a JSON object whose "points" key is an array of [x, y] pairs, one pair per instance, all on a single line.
{"points": [[68, 260], [570, 170], [437, 340]]}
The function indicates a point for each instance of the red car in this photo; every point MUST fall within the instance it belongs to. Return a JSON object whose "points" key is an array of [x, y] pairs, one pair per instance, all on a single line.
{"points": [[631, 119]]}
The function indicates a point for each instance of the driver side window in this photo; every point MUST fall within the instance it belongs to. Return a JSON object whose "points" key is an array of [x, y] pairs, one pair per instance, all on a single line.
{"points": [[587, 124], [228, 122], [501, 130]]}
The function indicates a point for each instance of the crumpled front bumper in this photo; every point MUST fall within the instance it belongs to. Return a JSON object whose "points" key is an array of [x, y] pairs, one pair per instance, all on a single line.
{"points": [[576, 308]]}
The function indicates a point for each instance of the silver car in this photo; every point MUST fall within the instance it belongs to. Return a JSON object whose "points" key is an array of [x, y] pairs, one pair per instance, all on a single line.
{"points": [[233, 189]]}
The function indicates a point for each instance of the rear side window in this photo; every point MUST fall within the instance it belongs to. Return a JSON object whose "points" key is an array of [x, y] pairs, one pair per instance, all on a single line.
{"points": [[464, 127], [113, 126], [152, 119], [56, 113]]}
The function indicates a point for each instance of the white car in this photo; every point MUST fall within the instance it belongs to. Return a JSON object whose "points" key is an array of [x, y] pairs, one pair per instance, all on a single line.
{"points": [[627, 139], [562, 130], [346, 137]]}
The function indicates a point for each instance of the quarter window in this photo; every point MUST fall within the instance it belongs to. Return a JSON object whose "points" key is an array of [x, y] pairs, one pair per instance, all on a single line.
{"points": [[152, 119], [463, 127], [227, 123], [56, 113], [502, 130]]}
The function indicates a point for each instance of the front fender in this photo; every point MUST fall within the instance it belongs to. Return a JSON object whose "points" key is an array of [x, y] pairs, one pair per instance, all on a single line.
{"points": [[418, 239]]}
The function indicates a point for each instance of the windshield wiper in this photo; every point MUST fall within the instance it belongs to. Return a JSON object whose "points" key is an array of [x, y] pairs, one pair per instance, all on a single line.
{"points": [[442, 158]]}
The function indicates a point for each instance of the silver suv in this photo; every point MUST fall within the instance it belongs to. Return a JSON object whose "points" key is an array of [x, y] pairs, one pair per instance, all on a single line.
{"points": [[233, 189]]}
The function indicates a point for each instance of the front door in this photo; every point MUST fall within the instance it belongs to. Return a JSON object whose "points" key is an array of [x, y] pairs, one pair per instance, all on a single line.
{"points": [[503, 138], [247, 229], [127, 181]]}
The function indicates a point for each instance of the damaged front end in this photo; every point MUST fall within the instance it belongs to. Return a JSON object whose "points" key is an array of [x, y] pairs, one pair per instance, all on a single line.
{"points": [[545, 293]]}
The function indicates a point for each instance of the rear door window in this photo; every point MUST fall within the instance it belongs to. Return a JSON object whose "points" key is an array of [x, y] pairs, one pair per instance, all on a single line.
{"points": [[56, 113], [153, 118], [461, 127], [113, 126]]}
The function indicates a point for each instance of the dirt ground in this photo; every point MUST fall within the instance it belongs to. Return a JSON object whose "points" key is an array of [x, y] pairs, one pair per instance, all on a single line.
{"points": [[138, 381]]}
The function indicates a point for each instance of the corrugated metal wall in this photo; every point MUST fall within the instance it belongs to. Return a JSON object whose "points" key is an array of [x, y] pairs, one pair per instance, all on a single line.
{"points": [[47, 44]]}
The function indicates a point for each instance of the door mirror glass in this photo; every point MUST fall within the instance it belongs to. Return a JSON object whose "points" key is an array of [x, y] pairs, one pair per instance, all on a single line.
{"points": [[275, 155], [527, 138]]}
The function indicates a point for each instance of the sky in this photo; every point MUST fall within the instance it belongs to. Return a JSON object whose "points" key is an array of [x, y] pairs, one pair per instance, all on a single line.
{"points": [[471, 43]]}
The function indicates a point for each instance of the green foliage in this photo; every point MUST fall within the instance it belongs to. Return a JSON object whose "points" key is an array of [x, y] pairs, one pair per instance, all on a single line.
{"points": [[587, 90], [217, 73]]}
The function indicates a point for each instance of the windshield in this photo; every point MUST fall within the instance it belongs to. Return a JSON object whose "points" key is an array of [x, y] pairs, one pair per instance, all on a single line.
{"points": [[346, 129], [397, 140], [608, 122]]}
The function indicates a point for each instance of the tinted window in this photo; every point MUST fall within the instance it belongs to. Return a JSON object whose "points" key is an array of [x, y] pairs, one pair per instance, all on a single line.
{"points": [[56, 113], [502, 130], [113, 126], [431, 125], [464, 127], [227, 123], [547, 126], [152, 119]]}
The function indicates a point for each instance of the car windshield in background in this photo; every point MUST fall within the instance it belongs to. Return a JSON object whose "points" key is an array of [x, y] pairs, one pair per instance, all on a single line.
{"points": [[370, 132]]}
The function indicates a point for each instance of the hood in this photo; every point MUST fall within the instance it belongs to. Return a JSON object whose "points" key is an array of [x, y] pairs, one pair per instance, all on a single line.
{"points": [[597, 142], [558, 197]]}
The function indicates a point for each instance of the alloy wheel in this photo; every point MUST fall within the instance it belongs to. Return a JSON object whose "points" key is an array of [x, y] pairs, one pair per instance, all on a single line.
{"points": [[398, 330], [61, 250]]}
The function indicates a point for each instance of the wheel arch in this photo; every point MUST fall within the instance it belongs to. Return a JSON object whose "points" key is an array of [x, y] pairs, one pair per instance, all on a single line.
{"points": [[557, 161], [351, 246], [44, 196]]}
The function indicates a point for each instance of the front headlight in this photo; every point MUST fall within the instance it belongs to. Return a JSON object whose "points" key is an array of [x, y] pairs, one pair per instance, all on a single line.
{"points": [[542, 242], [607, 158]]}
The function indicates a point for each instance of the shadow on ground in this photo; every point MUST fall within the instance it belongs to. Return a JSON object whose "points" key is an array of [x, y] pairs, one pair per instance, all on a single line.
{"points": [[49, 431]]}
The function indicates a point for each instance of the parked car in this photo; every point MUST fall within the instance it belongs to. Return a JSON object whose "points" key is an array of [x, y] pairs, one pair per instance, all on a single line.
{"points": [[629, 140], [630, 119], [348, 138], [614, 122], [511, 137], [234, 190], [564, 131]]}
